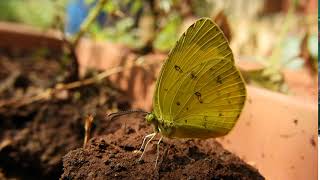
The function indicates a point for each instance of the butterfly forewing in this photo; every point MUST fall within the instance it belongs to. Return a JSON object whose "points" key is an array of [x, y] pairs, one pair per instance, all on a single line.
{"points": [[199, 80]]}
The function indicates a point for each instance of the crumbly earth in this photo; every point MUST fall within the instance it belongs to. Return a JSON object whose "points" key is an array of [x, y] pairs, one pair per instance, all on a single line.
{"points": [[34, 137], [34, 149], [115, 156]]}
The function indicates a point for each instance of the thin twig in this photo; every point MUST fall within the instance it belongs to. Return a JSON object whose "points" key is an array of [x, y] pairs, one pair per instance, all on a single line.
{"points": [[48, 93], [8, 83], [5, 143], [91, 80], [87, 127]]}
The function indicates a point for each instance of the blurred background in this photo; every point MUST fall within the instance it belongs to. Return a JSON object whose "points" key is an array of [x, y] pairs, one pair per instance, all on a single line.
{"points": [[275, 44], [274, 34]]}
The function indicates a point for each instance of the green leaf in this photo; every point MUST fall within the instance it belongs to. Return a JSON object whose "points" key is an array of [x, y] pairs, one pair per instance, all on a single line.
{"points": [[313, 45], [167, 37], [295, 64], [89, 1], [136, 6], [291, 49], [111, 6]]}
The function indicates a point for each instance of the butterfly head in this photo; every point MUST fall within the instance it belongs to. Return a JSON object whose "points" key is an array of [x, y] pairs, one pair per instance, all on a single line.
{"points": [[159, 125], [152, 119]]}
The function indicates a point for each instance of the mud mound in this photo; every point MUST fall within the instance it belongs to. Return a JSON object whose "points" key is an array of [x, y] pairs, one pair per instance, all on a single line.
{"points": [[115, 156]]}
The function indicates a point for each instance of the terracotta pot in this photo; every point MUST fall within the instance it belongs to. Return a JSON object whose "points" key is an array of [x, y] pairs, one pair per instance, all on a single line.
{"points": [[276, 133]]}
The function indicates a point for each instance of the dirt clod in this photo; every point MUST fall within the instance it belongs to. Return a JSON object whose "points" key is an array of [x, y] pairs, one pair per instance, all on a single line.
{"points": [[34, 137], [179, 158]]}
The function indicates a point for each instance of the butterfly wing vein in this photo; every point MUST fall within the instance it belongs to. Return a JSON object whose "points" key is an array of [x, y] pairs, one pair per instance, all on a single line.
{"points": [[199, 86]]}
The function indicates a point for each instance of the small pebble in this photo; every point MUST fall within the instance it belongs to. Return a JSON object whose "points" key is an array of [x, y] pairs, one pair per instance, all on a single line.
{"points": [[112, 155]]}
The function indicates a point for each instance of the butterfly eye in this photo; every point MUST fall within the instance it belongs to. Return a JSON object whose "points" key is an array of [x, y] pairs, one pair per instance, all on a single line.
{"points": [[150, 117]]}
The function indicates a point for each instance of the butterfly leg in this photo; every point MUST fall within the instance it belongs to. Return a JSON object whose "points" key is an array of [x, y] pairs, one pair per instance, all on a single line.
{"points": [[144, 140], [158, 151], [145, 147]]}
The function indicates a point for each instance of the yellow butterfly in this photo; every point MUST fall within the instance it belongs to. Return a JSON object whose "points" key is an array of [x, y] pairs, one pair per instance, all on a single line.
{"points": [[200, 93]]}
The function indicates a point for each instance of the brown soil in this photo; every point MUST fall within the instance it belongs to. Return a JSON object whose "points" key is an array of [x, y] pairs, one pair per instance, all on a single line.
{"points": [[26, 74], [36, 149], [35, 137], [115, 156]]}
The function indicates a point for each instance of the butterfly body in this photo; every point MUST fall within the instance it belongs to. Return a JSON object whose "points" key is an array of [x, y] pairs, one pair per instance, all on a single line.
{"points": [[200, 93], [172, 130]]}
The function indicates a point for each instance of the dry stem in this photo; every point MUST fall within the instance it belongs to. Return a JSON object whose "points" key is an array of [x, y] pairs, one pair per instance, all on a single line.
{"points": [[48, 93], [87, 127]]}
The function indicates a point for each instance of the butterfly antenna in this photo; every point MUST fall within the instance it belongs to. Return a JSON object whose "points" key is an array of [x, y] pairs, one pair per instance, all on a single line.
{"points": [[145, 147], [158, 152], [121, 113]]}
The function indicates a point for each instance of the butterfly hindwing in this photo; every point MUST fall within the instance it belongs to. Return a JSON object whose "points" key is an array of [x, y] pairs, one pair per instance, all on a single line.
{"points": [[198, 80], [212, 102]]}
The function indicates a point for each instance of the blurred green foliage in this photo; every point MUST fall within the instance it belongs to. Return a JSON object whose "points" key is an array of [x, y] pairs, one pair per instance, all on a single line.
{"points": [[167, 37], [138, 22], [121, 26], [121, 32], [313, 45], [33, 12], [290, 53]]}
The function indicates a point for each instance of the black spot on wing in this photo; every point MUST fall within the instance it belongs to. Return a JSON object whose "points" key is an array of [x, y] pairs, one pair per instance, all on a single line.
{"points": [[178, 68], [198, 94], [193, 76], [219, 79], [229, 101]]}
